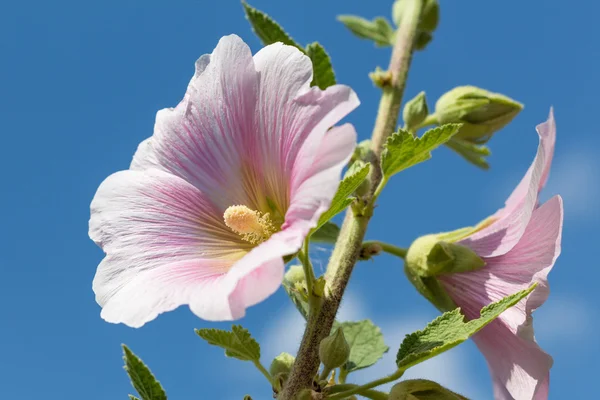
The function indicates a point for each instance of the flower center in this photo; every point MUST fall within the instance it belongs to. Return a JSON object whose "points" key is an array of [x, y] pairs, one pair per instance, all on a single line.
{"points": [[252, 226]]}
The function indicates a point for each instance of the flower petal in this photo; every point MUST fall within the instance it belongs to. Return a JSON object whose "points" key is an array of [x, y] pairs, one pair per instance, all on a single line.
{"points": [[517, 363], [292, 117], [502, 235], [312, 196], [260, 273], [519, 368], [151, 224], [205, 139]]}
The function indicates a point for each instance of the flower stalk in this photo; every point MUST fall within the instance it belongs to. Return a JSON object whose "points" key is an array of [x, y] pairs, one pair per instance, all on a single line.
{"points": [[352, 233]]}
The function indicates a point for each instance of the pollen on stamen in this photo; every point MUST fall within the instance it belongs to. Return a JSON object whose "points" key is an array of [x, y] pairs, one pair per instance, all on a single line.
{"points": [[251, 225]]}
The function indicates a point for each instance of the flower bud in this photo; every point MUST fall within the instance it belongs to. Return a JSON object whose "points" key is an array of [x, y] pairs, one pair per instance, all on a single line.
{"points": [[363, 151], [282, 363], [415, 111], [334, 350], [482, 113], [431, 256]]}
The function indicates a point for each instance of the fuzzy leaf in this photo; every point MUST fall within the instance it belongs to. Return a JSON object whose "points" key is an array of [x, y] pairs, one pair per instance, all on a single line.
{"points": [[132, 397], [327, 233], [450, 330], [473, 153], [342, 199], [404, 150], [238, 343], [379, 30], [267, 30], [323, 75], [141, 378], [366, 344]]}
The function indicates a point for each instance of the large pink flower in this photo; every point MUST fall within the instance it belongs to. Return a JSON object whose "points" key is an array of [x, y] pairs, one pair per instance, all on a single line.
{"points": [[519, 248], [232, 180]]}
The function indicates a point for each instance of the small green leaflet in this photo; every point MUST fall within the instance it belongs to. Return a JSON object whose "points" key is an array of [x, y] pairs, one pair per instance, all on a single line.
{"points": [[422, 389], [141, 378], [323, 75], [327, 233], [238, 343], [366, 344], [267, 30], [473, 153], [450, 330], [379, 30], [404, 150], [132, 397], [342, 198]]}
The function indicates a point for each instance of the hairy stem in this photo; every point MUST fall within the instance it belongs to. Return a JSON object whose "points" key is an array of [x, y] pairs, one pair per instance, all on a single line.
{"points": [[355, 224]]}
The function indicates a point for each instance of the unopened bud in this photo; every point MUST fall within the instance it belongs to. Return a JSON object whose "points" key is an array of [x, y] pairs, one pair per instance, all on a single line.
{"points": [[363, 151], [282, 363], [415, 111], [334, 350], [369, 250], [481, 112], [430, 256]]}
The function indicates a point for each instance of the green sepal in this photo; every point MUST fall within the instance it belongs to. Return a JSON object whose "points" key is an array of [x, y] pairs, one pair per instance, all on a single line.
{"points": [[422, 389]]}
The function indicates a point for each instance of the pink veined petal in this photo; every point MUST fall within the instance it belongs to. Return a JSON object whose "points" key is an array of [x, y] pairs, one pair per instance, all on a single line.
{"points": [[259, 274], [292, 117], [312, 197], [547, 130], [147, 223], [517, 363], [502, 235], [207, 138], [519, 368]]}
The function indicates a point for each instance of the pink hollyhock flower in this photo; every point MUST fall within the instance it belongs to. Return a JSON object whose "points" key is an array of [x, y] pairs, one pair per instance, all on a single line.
{"points": [[232, 180], [519, 248]]}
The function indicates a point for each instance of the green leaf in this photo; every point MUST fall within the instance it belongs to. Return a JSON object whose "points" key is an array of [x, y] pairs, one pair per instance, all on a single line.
{"points": [[422, 389], [267, 30], [341, 198], [132, 397], [379, 30], [141, 378], [366, 344], [323, 75], [238, 343], [327, 233], [450, 330], [473, 153], [404, 150]]}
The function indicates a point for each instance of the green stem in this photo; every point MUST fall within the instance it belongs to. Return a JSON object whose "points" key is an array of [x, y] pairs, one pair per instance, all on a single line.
{"points": [[388, 248], [362, 388], [325, 373], [355, 224], [368, 393], [430, 120], [264, 371]]}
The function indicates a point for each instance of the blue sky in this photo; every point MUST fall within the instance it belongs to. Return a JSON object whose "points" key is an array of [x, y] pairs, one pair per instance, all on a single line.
{"points": [[80, 83]]}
